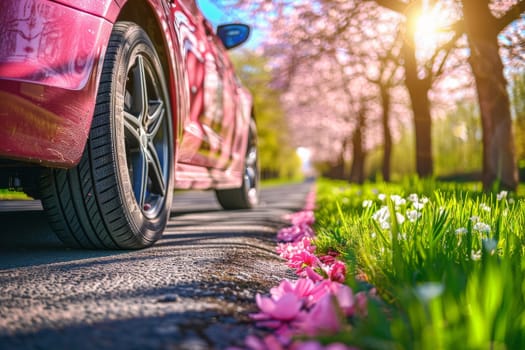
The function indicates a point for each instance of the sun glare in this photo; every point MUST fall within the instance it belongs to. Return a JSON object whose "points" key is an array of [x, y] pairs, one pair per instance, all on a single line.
{"points": [[429, 28]]}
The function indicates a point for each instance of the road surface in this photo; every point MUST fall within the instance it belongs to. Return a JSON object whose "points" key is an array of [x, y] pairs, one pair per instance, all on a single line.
{"points": [[192, 290]]}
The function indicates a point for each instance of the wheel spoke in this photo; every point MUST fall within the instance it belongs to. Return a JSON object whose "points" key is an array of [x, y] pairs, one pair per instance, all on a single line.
{"points": [[156, 118], [140, 89], [132, 128], [156, 173]]}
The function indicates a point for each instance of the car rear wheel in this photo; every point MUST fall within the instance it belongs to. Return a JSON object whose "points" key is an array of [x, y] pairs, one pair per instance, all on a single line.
{"points": [[119, 195], [246, 196]]}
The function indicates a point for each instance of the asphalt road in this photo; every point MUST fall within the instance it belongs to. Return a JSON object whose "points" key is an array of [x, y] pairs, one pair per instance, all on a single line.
{"points": [[192, 290]]}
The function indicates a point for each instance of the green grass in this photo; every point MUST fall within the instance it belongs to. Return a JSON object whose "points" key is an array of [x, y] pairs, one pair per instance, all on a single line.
{"points": [[12, 195], [448, 267]]}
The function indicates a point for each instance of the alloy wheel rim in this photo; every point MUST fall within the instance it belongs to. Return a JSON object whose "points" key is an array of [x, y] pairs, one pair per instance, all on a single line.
{"points": [[146, 136]]}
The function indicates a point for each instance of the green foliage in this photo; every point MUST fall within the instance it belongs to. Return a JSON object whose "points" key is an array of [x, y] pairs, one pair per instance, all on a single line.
{"points": [[6, 194], [277, 157], [456, 144], [447, 261], [457, 141]]}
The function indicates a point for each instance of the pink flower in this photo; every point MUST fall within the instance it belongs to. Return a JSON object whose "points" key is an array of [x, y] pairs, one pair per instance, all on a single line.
{"points": [[288, 250], [337, 272], [302, 288], [301, 260], [329, 258], [283, 308], [294, 233], [270, 342], [322, 318], [313, 345], [301, 217], [345, 299], [362, 304], [311, 274]]}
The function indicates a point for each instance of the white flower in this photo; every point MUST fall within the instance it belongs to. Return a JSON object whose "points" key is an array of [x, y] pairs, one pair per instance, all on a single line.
{"points": [[461, 231], [424, 200], [382, 216], [418, 205], [400, 218], [373, 235], [502, 195], [484, 207], [475, 255], [482, 227], [430, 290], [413, 215], [398, 200], [367, 203], [413, 197], [381, 197], [474, 219]]}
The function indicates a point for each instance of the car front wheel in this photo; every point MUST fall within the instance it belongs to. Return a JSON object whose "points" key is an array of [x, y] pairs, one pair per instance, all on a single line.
{"points": [[119, 195]]}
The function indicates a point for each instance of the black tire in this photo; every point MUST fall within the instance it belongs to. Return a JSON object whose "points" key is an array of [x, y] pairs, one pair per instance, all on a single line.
{"points": [[120, 194], [246, 196]]}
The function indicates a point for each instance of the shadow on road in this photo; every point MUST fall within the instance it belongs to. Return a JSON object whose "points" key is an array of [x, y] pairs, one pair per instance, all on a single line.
{"points": [[26, 239]]}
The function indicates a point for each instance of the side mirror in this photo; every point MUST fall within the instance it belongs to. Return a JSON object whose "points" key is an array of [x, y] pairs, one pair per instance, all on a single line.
{"points": [[233, 35]]}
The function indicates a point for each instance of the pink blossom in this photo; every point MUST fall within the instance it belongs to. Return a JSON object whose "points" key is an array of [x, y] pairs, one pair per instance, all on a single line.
{"points": [[302, 288], [294, 233], [329, 258], [270, 342], [313, 345], [301, 260], [345, 299], [337, 272], [288, 250], [286, 307], [362, 303], [301, 217], [311, 274], [322, 318]]}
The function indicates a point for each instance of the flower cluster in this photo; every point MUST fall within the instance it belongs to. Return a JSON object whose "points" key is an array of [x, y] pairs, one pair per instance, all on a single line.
{"points": [[317, 303]]}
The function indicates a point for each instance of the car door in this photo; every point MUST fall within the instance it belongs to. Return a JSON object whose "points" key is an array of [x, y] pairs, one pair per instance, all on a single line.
{"points": [[201, 142]]}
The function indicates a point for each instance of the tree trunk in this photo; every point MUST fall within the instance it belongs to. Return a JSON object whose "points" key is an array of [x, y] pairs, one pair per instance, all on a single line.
{"points": [[499, 165], [357, 172], [418, 90], [387, 135]]}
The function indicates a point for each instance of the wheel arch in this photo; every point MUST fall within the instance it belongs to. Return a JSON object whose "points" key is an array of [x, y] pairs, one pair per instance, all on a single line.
{"points": [[143, 13]]}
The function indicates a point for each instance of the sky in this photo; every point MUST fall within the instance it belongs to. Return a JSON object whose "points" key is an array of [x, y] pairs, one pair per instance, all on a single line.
{"points": [[212, 12], [216, 15]]}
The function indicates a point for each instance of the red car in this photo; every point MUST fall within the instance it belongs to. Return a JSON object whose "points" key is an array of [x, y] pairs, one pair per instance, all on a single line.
{"points": [[106, 106]]}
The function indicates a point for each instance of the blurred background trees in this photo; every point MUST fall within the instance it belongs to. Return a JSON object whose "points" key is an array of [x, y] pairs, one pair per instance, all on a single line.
{"points": [[385, 88], [277, 156]]}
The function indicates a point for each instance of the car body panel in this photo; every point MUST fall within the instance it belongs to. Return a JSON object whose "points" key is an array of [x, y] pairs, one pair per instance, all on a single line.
{"points": [[44, 62], [50, 64]]}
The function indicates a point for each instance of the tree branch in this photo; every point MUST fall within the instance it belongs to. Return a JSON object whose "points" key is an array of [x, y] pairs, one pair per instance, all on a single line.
{"points": [[512, 14], [394, 5]]}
